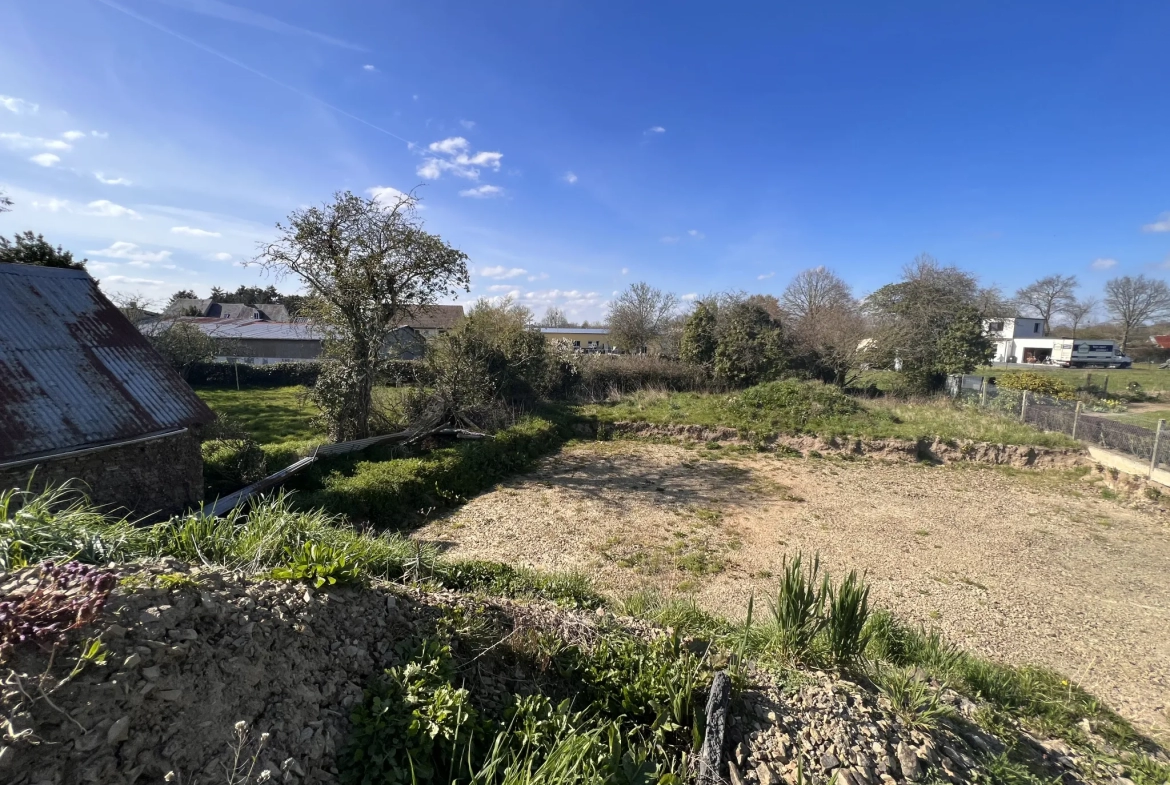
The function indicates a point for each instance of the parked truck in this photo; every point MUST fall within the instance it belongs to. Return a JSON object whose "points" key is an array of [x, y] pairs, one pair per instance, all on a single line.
{"points": [[1088, 353]]}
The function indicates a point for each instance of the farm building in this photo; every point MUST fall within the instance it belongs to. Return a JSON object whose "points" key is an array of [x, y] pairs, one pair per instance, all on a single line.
{"points": [[83, 396], [586, 339]]}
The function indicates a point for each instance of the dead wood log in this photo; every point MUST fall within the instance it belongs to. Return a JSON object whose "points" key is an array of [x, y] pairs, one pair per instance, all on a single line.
{"points": [[711, 754]]}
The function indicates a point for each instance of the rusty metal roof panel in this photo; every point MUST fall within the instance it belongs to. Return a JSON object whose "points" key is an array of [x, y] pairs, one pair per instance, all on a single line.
{"points": [[75, 372]]}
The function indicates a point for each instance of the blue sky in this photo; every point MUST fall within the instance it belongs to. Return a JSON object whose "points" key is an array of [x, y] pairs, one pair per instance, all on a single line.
{"points": [[573, 147]]}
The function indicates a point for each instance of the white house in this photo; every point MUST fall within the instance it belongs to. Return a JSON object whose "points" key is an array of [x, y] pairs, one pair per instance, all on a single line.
{"points": [[1019, 339]]}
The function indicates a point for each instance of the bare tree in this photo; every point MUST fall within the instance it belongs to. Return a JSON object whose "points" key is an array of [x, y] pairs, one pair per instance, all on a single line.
{"points": [[135, 306], [813, 291], [1134, 301], [365, 264], [1048, 296], [826, 320], [554, 317], [1080, 312], [639, 316]]}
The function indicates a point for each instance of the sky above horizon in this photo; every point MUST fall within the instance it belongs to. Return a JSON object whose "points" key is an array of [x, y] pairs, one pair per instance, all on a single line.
{"points": [[571, 148]]}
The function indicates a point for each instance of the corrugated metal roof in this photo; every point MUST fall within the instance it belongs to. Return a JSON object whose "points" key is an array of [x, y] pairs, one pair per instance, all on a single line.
{"points": [[75, 372]]}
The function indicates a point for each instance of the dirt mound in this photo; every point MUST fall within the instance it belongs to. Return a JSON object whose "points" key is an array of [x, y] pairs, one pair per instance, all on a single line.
{"points": [[934, 450]]}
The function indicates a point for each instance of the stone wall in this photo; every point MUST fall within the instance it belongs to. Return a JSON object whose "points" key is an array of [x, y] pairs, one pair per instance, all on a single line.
{"points": [[151, 479]]}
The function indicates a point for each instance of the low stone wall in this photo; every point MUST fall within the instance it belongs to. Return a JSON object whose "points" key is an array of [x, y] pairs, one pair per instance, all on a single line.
{"points": [[148, 479]]}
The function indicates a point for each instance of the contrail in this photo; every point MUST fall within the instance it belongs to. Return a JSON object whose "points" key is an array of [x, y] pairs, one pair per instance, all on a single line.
{"points": [[135, 15]]}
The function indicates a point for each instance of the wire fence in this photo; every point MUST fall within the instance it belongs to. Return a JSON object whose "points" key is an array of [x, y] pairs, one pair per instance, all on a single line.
{"points": [[1087, 419]]}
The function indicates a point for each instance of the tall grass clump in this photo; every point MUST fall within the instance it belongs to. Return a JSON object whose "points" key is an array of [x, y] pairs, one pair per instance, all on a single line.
{"points": [[797, 611], [845, 623]]}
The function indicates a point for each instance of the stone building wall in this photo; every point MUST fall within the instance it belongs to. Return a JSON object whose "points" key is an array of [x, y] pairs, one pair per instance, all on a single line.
{"points": [[151, 479]]}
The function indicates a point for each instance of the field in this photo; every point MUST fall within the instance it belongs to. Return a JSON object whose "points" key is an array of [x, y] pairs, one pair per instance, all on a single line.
{"points": [[1022, 566], [269, 416]]}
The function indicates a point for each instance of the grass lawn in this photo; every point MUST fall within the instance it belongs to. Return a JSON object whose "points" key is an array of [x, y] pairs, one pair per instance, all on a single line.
{"points": [[1146, 419], [274, 415], [870, 419], [1148, 376]]}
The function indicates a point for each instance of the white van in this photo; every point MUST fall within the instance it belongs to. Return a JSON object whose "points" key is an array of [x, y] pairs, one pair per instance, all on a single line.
{"points": [[1088, 353]]}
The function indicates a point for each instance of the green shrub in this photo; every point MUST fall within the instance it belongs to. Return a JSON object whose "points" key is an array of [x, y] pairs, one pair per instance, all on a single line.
{"points": [[1038, 383], [230, 463], [792, 406], [393, 493], [845, 624]]}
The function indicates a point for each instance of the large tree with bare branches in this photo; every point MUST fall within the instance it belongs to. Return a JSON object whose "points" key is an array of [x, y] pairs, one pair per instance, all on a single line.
{"points": [[366, 264], [1133, 302], [825, 322], [1049, 296], [640, 315]]}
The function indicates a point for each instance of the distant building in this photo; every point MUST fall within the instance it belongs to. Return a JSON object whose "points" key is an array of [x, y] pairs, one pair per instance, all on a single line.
{"points": [[84, 397], [269, 312], [1019, 339], [585, 339]]}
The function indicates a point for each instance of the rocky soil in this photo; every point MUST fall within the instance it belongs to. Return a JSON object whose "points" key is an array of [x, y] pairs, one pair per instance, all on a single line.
{"points": [[184, 665]]}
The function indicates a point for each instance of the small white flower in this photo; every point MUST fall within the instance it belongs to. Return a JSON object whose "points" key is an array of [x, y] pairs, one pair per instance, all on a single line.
{"points": [[264, 737], [170, 777], [264, 776], [241, 726]]}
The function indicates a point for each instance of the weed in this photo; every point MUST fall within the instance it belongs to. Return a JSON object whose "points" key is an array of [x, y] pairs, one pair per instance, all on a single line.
{"points": [[797, 609], [1110, 494], [913, 701], [845, 625], [319, 564]]}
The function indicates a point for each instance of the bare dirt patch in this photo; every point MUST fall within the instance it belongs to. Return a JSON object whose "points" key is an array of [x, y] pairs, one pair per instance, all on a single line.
{"points": [[1023, 566]]}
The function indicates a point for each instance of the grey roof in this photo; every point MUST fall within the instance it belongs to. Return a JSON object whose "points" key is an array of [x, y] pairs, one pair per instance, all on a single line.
{"points": [[577, 330], [434, 317], [184, 306], [247, 328], [74, 372]]}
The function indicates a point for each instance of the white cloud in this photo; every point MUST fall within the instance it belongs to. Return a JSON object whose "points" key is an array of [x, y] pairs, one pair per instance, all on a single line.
{"points": [[53, 205], [111, 180], [500, 271], [483, 192], [625, 271], [538, 277], [692, 296], [191, 231], [17, 105], [1103, 264], [653, 130], [1160, 225], [669, 239], [390, 197], [765, 276], [124, 279], [107, 209], [45, 159], [368, 67], [503, 287], [569, 178], [125, 250], [454, 155], [222, 256], [100, 134], [18, 141], [73, 136], [696, 234], [468, 124]]}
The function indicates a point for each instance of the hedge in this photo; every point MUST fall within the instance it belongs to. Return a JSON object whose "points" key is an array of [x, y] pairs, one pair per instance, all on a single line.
{"points": [[394, 493], [393, 373]]}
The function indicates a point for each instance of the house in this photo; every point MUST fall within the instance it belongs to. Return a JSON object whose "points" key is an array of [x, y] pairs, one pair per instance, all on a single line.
{"points": [[1019, 339], [269, 312], [84, 397], [433, 320], [585, 339]]}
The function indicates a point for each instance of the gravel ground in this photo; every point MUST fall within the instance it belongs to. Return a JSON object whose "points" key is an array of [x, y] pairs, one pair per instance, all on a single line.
{"points": [[1023, 566]]}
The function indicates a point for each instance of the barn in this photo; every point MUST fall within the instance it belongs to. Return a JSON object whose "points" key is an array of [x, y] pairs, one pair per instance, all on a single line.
{"points": [[84, 397]]}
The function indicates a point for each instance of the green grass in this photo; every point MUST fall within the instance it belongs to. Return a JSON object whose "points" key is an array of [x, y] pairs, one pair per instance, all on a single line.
{"points": [[872, 419], [1147, 419], [270, 416], [1149, 377]]}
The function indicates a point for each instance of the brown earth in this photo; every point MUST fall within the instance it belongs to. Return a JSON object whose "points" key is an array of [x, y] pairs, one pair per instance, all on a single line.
{"points": [[1025, 566]]}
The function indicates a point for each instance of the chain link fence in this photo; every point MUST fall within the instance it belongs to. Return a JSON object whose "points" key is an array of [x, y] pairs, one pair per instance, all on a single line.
{"points": [[1076, 418]]}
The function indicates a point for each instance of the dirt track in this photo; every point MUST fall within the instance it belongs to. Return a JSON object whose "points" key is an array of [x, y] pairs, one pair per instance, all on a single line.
{"points": [[1027, 567]]}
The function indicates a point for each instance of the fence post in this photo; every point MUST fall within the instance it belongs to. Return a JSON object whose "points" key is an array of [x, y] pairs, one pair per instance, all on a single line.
{"points": [[1076, 418], [1024, 407], [1105, 390], [1157, 440], [983, 393], [1089, 382]]}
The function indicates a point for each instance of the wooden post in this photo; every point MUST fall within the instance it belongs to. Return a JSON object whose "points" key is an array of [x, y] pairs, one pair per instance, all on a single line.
{"points": [[236, 366], [983, 393], [1024, 407], [1076, 418], [1157, 441], [1105, 389], [711, 754], [1089, 382]]}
